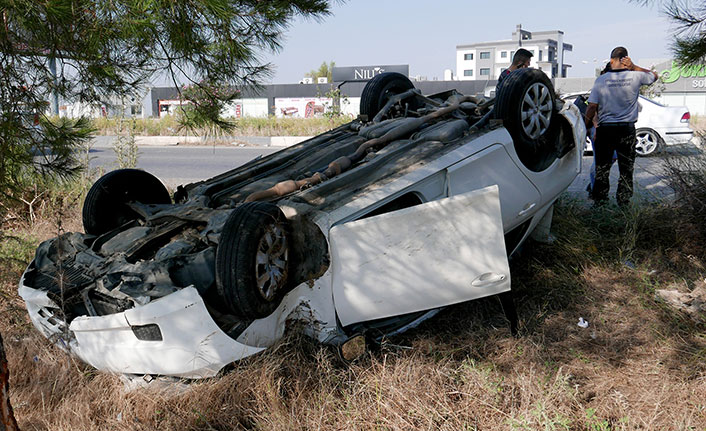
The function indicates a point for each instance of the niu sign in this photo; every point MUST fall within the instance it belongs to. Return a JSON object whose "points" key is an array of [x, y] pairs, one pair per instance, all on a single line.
{"points": [[364, 73], [368, 73]]}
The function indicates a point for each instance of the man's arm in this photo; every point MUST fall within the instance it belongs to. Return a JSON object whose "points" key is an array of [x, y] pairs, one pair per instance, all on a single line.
{"points": [[590, 113], [627, 62]]}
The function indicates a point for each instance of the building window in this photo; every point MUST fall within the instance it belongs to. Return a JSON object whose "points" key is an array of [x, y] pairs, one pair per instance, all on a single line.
{"points": [[551, 55], [468, 56], [468, 73], [503, 54], [484, 55], [540, 55], [485, 71], [512, 54]]}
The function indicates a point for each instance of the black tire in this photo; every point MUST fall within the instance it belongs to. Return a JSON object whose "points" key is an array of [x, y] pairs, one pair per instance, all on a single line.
{"points": [[245, 253], [104, 208], [647, 142], [534, 126], [379, 90]]}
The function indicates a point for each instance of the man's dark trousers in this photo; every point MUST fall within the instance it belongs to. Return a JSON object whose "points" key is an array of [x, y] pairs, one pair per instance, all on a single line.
{"points": [[618, 137]]}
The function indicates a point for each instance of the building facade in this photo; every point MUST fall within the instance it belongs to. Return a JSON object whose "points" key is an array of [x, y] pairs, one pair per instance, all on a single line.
{"points": [[680, 86], [486, 60]]}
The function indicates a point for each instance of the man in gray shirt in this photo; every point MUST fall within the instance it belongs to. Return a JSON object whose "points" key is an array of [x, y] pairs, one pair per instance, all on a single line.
{"points": [[614, 99]]}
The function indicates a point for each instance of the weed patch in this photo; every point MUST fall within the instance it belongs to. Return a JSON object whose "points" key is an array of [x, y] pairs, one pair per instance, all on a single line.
{"points": [[249, 126]]}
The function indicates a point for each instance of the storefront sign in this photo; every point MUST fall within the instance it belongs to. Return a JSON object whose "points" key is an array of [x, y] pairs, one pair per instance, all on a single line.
{"points": [[687, 71], [364, 73], [698, 83]]}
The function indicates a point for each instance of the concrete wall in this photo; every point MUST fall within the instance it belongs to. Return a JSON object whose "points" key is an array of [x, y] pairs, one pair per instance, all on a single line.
{"points": [[694, 101]]}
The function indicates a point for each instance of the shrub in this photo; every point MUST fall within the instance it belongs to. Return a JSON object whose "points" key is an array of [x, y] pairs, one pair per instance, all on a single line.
{"points": [[686, 175]]}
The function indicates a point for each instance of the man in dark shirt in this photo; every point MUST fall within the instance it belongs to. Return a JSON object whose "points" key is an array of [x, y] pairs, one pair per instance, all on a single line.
{"points": [[614, 99], [520, 60]]}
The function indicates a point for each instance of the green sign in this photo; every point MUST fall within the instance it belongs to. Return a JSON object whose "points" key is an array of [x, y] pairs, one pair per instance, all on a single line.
{"points": [[686, 71]]}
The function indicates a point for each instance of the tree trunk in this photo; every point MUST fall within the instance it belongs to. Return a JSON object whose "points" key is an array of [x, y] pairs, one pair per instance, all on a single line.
{"points": [[7, 419]]}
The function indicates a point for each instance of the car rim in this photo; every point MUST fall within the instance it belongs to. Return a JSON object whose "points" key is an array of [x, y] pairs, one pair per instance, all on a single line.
{"points": [[271, 261], [537, 108], [646, 144]]}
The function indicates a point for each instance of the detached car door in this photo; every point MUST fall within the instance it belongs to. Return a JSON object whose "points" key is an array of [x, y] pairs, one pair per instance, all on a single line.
{"points": [[431, 255]]}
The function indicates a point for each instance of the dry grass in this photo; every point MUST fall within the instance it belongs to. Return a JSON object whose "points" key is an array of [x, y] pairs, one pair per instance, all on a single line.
{"points": [[698, 123], [249, 126], [639, 365]]}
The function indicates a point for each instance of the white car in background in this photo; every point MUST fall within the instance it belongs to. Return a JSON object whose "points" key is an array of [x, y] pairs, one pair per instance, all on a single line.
{"points": [[657, 125]]}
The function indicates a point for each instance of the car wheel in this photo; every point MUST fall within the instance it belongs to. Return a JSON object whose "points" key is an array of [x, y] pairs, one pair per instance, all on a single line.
{"points": [[646, 142], [526, 104], [379, 90], [252, 259], [105, 206]]}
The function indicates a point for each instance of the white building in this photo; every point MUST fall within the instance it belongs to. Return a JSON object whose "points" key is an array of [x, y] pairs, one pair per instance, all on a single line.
{"points": [[486, 60]]}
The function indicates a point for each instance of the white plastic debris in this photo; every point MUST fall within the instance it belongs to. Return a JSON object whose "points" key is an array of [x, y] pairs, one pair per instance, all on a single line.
{"points": [[583, 323]]}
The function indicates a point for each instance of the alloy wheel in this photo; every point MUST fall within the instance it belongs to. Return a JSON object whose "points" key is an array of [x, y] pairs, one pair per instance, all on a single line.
{"points": [[536, 108], [271, 261]]}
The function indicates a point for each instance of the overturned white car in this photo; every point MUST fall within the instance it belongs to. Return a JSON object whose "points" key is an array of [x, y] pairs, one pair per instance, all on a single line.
{"points": [[367, 229]]}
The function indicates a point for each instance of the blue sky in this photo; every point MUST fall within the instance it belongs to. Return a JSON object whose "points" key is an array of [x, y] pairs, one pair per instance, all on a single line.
{"points": [[424, 34]]}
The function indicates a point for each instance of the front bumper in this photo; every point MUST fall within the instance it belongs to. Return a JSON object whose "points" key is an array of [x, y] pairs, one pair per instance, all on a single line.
{"points": [[192, 345]]}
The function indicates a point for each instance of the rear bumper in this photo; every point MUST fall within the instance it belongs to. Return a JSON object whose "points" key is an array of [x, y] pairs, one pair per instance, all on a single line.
{"points": [[677, 136], [192, 345]]}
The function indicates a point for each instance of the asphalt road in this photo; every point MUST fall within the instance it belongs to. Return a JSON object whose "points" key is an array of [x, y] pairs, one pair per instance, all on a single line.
{"points": [[649, 176], [176, 165]]}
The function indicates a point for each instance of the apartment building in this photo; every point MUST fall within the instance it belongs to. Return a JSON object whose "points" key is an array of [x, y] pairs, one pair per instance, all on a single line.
{"points": [[486, 60]]}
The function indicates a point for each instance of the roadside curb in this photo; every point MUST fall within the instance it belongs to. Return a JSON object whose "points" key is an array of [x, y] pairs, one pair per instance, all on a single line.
{"points": [[165, 140], [287, 141]]}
